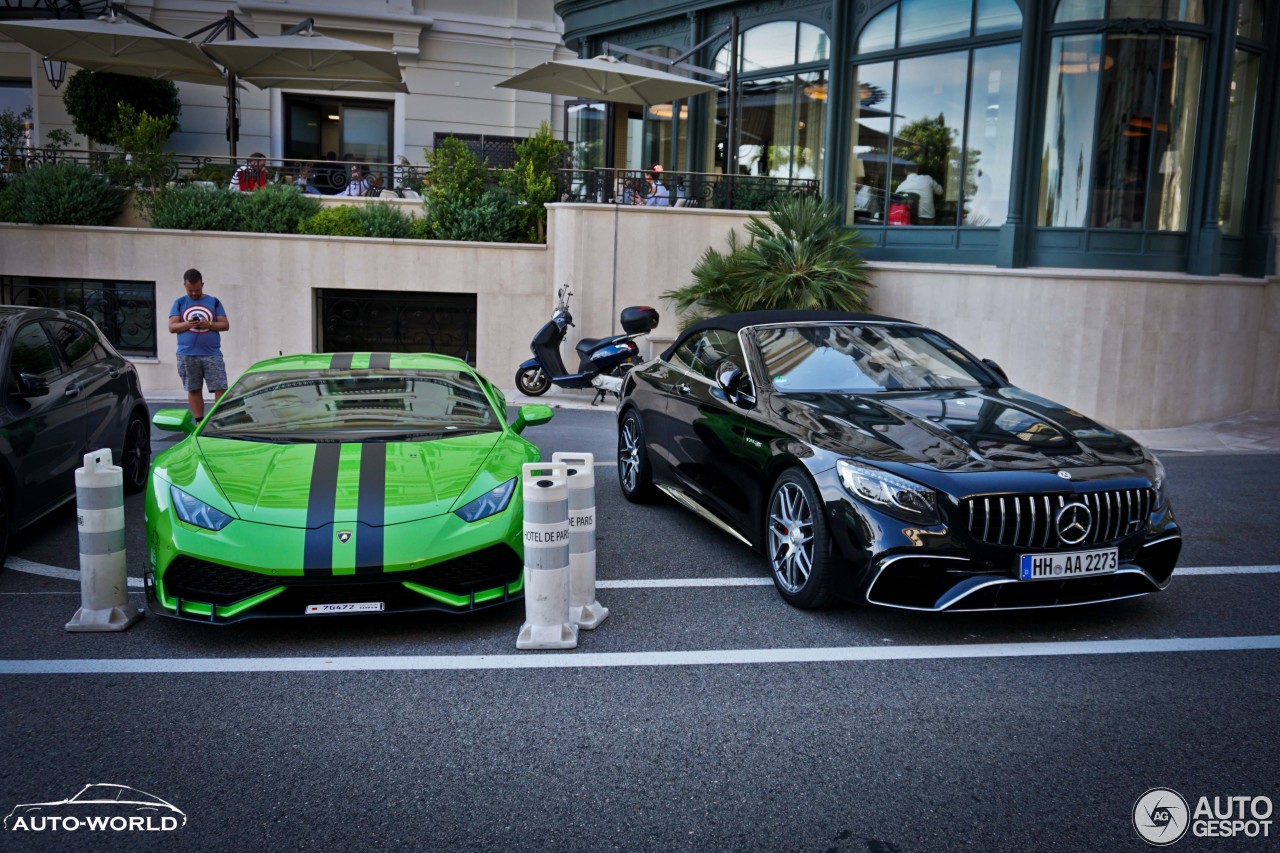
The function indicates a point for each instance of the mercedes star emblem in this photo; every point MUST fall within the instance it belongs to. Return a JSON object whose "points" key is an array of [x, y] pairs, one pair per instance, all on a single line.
{"points": [[1074, 521]]}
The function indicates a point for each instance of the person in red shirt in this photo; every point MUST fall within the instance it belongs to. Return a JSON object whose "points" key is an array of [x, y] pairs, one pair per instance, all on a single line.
{"points": [[252, 175]]}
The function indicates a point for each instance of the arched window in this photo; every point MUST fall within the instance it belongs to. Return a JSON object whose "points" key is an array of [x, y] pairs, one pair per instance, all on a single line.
{"points": [[782, 100], [1121, 112], [935, 92]]}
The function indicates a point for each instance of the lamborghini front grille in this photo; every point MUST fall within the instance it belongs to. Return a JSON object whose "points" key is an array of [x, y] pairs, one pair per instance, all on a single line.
{"points": [[200, 580]]}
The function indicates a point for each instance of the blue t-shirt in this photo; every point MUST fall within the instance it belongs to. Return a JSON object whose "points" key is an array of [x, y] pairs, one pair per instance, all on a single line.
{"points": [[193, 342]]}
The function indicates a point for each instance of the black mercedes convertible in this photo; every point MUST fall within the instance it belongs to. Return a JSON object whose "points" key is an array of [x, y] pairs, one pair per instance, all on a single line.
{"points": [[873, 459]]}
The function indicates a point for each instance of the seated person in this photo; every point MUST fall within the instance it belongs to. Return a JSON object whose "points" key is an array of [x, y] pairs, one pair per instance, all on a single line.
{"points": [[357, 183], [252, 175], [303, 181], [926, 188], [655, 194]]}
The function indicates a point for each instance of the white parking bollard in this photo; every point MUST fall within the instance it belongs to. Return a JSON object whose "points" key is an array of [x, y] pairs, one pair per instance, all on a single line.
{"points": [[546, 559], [104, 580], [583, 607]]}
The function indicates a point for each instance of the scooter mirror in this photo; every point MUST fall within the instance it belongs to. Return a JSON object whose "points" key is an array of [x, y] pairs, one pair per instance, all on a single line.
{"points": [[532, 415]]}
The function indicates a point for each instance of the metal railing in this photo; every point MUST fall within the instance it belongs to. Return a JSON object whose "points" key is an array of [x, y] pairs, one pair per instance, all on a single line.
{"points": [[682, 189], [329, 177]]}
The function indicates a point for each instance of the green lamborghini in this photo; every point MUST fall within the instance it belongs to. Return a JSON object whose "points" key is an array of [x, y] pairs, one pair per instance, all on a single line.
{"points": [[340, 483]]}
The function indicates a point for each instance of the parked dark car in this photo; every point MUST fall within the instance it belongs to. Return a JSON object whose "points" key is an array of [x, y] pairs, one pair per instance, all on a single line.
{"points": [[873, 459], [64, 392]]}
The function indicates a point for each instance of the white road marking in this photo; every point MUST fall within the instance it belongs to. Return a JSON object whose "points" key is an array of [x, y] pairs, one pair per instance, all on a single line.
{"points": [[18, 564], [675, 583], [560, 660], [1226, 570]]}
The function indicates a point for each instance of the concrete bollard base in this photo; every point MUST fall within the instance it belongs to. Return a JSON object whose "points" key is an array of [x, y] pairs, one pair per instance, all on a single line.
{"points": [[564, 636], [107, 619], [588, 616]]}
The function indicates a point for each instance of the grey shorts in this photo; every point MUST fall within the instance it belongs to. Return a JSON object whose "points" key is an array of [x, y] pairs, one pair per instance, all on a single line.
{"points": [[199, 370]]}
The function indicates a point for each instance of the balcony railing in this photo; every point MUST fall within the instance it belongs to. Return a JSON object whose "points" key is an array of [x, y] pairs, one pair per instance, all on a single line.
{"points": [[330, 177], [683, 189]]}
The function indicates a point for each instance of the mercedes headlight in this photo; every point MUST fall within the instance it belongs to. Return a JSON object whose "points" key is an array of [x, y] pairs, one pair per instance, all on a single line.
{"points": [[197, 512], [490, 503], [1158, 483], [889, 493]]}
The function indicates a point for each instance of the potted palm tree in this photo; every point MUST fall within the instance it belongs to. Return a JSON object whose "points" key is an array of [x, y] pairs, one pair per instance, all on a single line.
{"points": [[800, 257]]}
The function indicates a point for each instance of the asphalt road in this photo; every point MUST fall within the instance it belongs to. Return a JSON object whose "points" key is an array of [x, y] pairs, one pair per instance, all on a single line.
{"points": [[1007, 731]]}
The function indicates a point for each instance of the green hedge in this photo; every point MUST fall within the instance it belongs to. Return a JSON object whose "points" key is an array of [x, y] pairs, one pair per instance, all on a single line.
{"points": [[366, 220], [195, 208], [63, 193]]}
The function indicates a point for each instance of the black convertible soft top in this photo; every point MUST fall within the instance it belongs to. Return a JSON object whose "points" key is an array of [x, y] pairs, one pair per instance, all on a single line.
{"points": [[738, 322]]}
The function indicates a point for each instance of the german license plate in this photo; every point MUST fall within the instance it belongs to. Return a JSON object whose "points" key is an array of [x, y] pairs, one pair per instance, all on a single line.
{"points": [[1068, 564], [359, 607]]}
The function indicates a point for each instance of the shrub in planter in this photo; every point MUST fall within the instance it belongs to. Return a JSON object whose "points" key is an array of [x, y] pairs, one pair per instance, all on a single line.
{"points": [[494, 218], [337, 221], [419, 227], [532, 180], [8, 206], [800, 257], [275, 210], [457, 183], [194, 208], [63, 193], [383, 220]]}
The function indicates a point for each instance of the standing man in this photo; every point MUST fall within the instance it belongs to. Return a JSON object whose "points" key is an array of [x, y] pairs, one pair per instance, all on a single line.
{"points": [[197, 319]]}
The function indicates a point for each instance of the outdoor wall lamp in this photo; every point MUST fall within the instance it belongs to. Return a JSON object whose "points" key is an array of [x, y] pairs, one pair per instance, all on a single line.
{"points": [[55, 70]]}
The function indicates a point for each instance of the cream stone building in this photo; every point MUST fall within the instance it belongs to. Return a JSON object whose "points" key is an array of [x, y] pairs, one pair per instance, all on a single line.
{"points": [[451, 54]]}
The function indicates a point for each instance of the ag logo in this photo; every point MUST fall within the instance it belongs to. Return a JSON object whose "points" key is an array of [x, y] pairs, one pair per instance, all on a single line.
{"points": [[1160, 816], [344, 536]]}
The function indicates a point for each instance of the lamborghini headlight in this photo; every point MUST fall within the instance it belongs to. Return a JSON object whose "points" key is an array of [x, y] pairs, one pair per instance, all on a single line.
{"points": [[889, 493], [197, 512], [490, 503]]}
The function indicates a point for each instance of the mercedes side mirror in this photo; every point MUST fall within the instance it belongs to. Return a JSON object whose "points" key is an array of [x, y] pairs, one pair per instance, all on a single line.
{"points": [[734, 383], [996, 369], [30, 385]]}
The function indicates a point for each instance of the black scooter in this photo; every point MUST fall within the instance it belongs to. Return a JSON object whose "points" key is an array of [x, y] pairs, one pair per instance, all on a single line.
{"points": [[602, 362]]}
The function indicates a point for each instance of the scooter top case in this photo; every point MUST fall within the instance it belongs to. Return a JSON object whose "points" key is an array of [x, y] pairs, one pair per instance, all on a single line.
{"points": [[639, 319]]}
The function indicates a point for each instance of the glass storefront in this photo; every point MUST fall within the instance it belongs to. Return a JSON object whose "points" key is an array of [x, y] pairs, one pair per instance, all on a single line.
{"points": [[1078, 134], [933, 134], [782, 105]]}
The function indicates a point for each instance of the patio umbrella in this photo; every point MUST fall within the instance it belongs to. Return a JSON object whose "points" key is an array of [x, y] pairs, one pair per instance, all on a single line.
{"points": [[305, 55], [323, 85], [117, 45], [606, 79]]}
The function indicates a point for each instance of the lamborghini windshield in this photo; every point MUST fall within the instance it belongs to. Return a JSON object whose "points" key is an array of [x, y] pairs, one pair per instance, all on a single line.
{"points": [[863, 358], [354, 405]]}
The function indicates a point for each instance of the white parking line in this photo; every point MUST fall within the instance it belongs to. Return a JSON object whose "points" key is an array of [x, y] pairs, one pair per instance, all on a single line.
{"points": [[18, 564], [715, 657], [1226, 570], [676, 583]]}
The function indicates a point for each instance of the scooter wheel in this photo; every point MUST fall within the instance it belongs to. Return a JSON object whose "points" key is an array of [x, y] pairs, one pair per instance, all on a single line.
{"points": [[532, 381]]}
